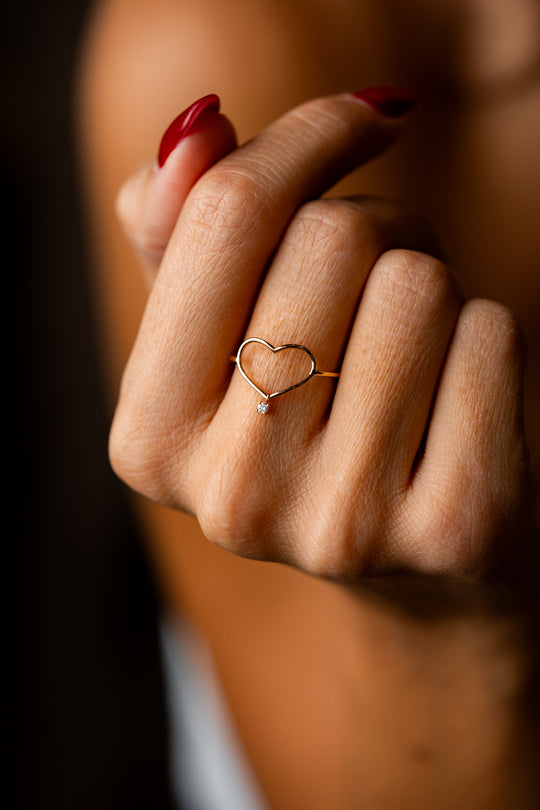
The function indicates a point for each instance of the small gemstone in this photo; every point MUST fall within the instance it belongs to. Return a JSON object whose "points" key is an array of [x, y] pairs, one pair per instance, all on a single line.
{"points": [[263, 407]]}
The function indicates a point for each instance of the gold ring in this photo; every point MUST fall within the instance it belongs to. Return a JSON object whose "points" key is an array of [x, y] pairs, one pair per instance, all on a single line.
{"points": [[264, 406]]}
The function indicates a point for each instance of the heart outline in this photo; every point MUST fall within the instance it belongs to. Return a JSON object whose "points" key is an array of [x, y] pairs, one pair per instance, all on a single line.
{"points": [[274, 350]]}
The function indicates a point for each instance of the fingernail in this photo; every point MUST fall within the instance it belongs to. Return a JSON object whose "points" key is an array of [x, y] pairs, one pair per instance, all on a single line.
{"points": [[184, 124], [392, 102]]}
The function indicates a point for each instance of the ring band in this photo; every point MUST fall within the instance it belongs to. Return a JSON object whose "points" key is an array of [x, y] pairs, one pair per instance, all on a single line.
{"points": [[264, 406]]}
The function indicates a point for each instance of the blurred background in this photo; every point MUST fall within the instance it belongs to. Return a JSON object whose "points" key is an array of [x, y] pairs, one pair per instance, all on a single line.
{"points": [[78, 694], [86, 701]]}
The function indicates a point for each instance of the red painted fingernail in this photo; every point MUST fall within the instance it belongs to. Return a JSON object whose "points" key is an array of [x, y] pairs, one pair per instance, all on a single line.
{"points": [[392, 102], [184, 124]]}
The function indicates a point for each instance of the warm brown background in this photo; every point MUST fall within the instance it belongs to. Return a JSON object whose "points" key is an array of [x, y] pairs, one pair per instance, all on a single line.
{"points": [[88, 608]]}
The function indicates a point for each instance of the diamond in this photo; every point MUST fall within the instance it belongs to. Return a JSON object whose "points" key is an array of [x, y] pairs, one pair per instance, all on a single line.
{"points": [[263, 407]]}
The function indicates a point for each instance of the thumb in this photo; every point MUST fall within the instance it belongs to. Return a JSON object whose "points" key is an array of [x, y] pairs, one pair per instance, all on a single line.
{"points": [[150, 202]]}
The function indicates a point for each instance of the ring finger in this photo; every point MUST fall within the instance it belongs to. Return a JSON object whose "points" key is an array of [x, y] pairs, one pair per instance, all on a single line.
{"points": [[309, 297]]}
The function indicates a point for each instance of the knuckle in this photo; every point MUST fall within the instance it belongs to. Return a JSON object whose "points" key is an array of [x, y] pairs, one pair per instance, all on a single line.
{"points": [[493, 323], [438, 538], [344, 522], [339, 222], [337, 232], [316, 223], [458, 527], [456, 547], [226, 203], [408, 276], [228, 510], [139, 455]]}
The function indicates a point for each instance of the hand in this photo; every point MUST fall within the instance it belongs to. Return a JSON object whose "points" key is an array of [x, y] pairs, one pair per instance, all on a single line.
{"points": [[414, 460]]}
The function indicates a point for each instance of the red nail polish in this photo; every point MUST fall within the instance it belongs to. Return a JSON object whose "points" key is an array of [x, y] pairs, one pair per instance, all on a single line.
{"points": [[184, 124], [392, 102]]}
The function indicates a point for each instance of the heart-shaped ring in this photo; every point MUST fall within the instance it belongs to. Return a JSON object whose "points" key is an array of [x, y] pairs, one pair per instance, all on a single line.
{"points": [[264, 406]]}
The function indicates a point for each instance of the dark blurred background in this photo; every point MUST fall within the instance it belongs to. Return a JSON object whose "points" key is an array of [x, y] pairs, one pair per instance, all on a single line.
{"points": [[85, 702]]}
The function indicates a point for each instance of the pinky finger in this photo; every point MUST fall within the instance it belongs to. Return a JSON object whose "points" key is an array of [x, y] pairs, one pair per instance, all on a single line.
{"points": [[473, 476]]}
